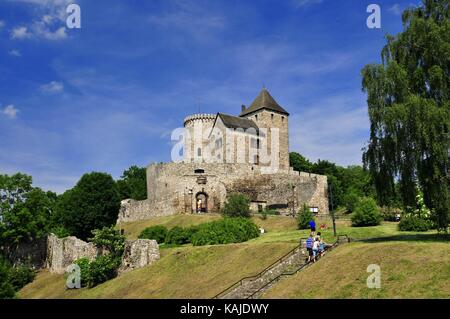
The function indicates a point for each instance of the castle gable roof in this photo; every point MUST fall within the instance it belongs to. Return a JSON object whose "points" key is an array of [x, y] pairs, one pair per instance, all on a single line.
{"points": [[231, 121], [264, 101]]}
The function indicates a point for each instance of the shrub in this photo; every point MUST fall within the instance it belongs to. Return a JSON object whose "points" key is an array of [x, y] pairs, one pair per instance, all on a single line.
{"points": [[414, 223], [84, 263], [109, 238], [103, 268], [366, 213], [6, 288], [390, 213], [237, 205], [225, 231], [350, 200], [304, 217], [157, 233], [21, 276], [178, 236], [99, 270], [60, 231]]}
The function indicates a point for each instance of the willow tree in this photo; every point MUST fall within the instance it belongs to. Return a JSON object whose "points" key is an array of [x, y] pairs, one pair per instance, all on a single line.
{"points": [[409, 111]]}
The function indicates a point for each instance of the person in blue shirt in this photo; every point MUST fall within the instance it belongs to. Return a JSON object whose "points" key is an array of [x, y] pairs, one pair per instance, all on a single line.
{"points": [[312, 225], [309, 246]]}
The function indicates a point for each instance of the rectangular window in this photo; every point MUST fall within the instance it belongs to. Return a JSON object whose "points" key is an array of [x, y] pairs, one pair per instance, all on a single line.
{"points": [[314, 210]]}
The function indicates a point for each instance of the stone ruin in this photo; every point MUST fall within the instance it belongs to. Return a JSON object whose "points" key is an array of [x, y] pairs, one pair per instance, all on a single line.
{"points": [[139, 253], [62, 252]]}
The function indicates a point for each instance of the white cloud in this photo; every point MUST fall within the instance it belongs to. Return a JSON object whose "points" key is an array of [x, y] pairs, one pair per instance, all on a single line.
{"points": [[49, 23], [20, 33], [2, 24], [395, 9], [335, 128], [10, 111], [53, 87], [15, 52]]}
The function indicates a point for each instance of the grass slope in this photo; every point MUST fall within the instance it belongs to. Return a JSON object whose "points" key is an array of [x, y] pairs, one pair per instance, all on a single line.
{"points": [[412, 265], [408, 270], [186, 272]]}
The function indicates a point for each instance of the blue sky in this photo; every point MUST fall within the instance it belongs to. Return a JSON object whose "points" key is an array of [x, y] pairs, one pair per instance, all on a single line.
{"points": [[108, 95]]}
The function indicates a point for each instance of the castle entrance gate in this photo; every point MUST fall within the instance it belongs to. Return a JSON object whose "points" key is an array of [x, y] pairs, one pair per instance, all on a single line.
{"points": [[201, 200]]}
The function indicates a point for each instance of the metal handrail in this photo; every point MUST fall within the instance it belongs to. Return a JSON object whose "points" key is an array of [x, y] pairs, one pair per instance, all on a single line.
{"points": [[239, 283], [295, 271]]}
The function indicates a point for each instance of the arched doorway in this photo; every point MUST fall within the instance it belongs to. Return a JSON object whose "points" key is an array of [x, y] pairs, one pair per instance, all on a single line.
{"points": [[201, 202]]}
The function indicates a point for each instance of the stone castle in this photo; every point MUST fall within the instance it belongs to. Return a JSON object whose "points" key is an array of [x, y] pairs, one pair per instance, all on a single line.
{"points": [[224, 154]]}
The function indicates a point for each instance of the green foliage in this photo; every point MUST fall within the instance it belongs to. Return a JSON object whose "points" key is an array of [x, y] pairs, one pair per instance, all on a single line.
{"points": [[157, 233], [6, 288], [237, 205], [350, 200], [133, 183], [84, 263], [60, 231], [419, 219], [414, 223], [109, 238], [178, 236], [21, 276], [366, 213], [102, 269], [98, 271], [408, 96], [225, 231], [304, 217], [92, 204], [390, 213], [300, 163]]}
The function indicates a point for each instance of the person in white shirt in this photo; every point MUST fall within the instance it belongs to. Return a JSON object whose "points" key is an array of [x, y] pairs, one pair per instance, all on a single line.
{"points": [[315, 249]]}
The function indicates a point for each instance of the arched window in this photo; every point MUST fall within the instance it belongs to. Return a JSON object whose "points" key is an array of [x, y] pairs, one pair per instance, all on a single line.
{"points": [[199, 152], [271, 115], [256, 117]]}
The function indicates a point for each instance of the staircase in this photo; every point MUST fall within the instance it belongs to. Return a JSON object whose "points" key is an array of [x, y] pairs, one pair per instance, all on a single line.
{"points": [[294, 261]]}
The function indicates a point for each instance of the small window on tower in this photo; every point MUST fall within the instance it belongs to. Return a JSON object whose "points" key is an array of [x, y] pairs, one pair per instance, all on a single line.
{"points": [[282, 119], [256, 117], [199, 152], [271, 115]]}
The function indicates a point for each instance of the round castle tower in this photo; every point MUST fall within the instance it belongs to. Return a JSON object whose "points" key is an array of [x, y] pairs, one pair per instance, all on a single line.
{"points": [[198, 127]]}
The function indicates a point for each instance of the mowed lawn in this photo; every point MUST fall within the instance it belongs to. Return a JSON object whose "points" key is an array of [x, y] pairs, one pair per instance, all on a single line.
{"points": [[202, 272]]}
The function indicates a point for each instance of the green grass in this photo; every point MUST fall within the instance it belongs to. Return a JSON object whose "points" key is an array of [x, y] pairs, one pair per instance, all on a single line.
{"points": [[408, 270], [410, 260]]}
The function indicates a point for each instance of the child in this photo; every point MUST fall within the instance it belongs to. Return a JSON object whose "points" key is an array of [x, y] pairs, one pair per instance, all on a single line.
{"points": [[315, 249], [309, 246]]}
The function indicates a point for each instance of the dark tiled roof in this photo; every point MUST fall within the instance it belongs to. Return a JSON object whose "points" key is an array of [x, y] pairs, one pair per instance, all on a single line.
{"points": [[231, 121], [264, 101]]}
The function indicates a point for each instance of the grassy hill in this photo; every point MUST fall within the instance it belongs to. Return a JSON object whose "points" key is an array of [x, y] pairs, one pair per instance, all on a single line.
{"points": [[412, 265], [408, 270]]}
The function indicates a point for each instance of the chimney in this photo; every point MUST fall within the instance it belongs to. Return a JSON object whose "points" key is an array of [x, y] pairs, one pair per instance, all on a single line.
{"points": [[242, 108]]}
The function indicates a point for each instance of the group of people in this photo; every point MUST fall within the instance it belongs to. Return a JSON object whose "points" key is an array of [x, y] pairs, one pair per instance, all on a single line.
{"points": [[315, 245]]}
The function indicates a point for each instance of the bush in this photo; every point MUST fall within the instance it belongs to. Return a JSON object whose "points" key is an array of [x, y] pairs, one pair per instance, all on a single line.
{"points": [[84, 263], [6, 288], [157, 233], [237, 205], [109, 238], [414, 223], [390, 213], [103, 268], [304, 217], [366, 213], [350, 200], [98, 271], [21, 276], [225, 231], [178, 236]]}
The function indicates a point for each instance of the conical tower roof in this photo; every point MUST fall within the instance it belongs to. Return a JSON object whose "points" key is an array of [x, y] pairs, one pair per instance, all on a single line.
{"points": [[264, 101]]}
